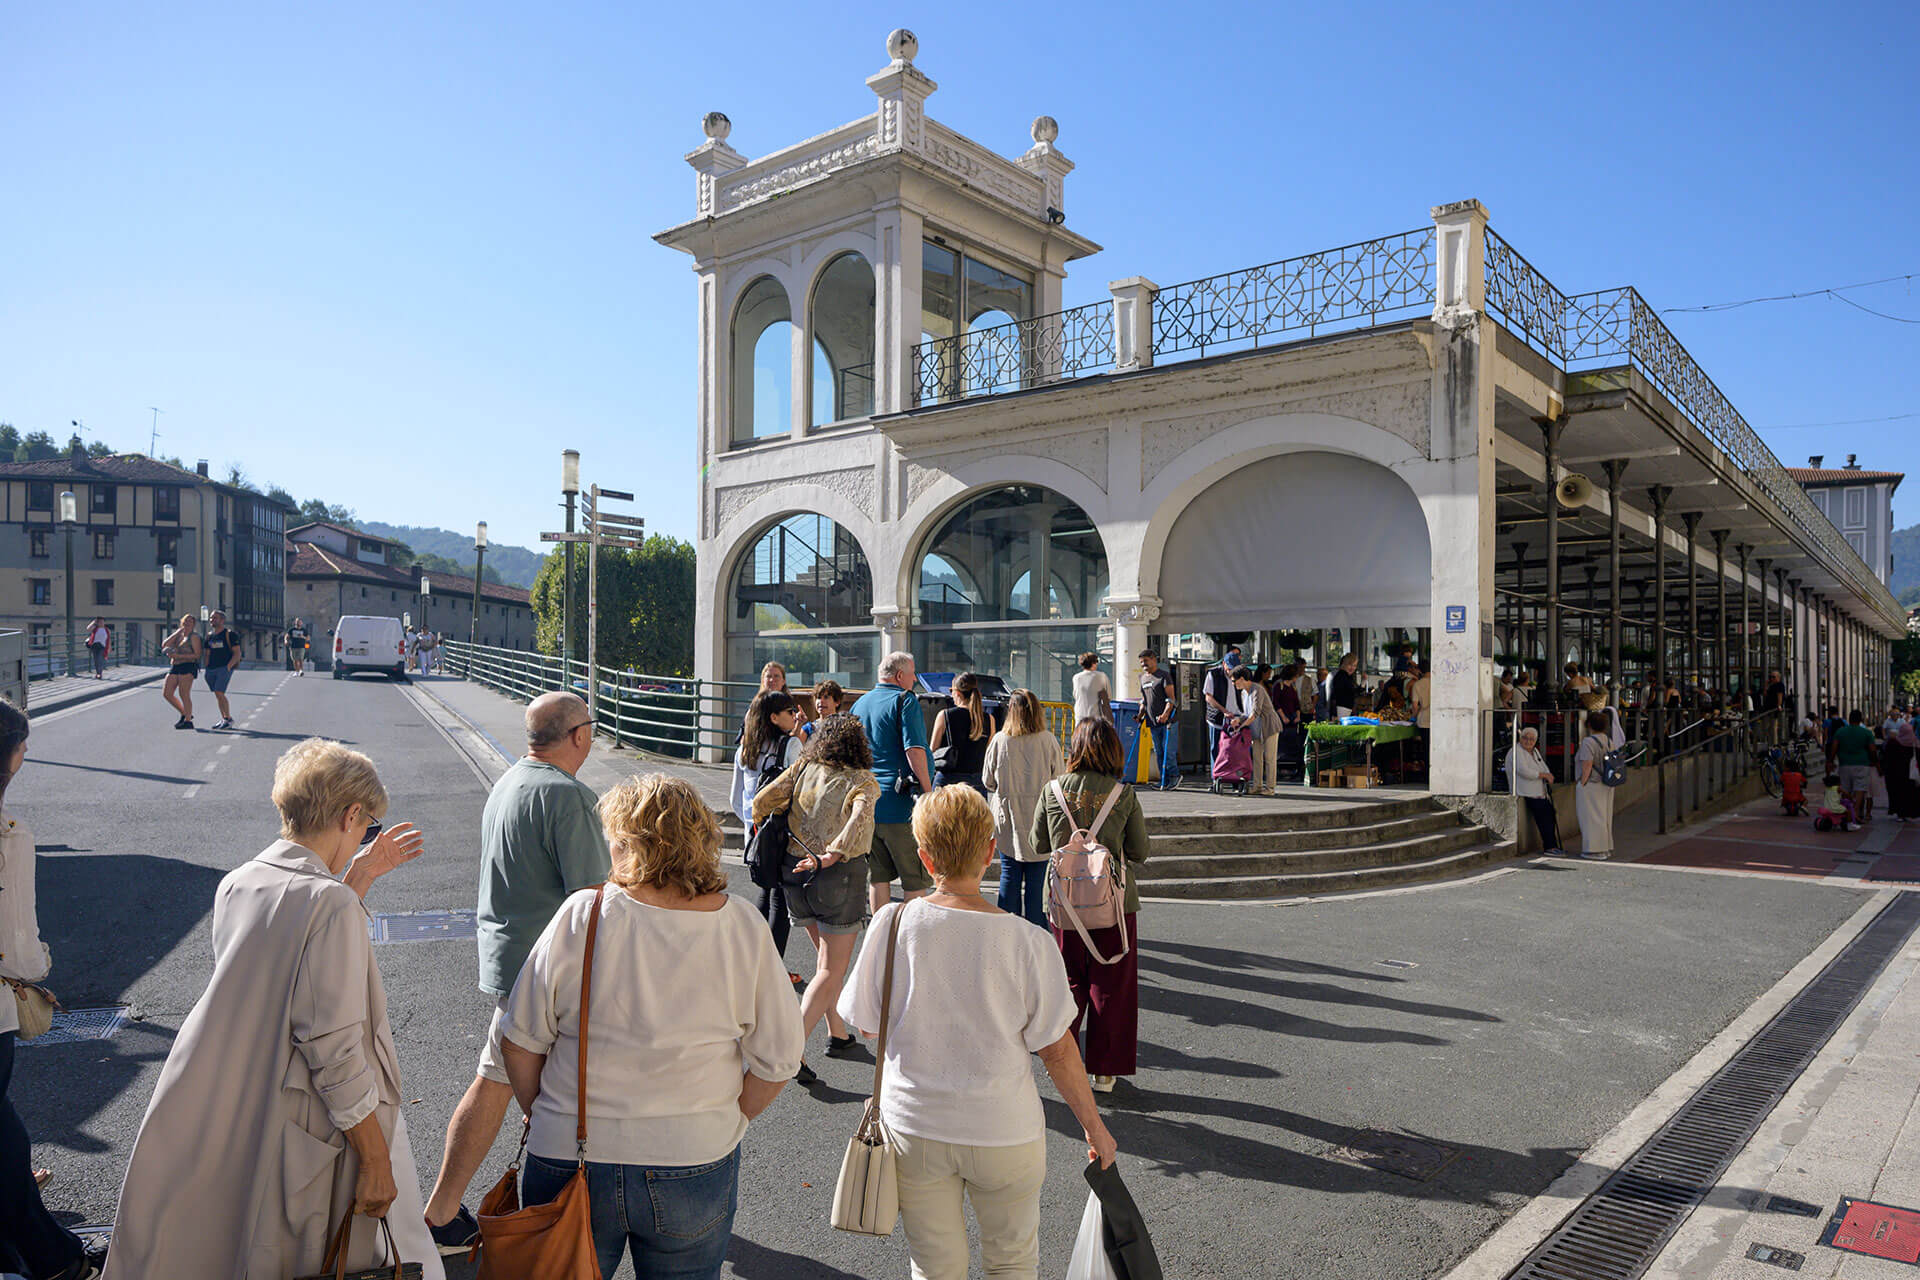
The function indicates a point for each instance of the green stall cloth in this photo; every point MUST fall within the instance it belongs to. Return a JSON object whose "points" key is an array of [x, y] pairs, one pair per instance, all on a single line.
{"points": [[1377, 733]]}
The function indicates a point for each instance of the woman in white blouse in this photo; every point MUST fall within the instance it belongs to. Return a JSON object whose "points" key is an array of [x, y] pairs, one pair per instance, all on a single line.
{"points": [[976, 991], [1021, 760], [47, 1248], [691, 1033]]}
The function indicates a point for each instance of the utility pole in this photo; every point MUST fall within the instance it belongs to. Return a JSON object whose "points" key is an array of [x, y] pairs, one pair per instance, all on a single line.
{"points": [[69, 516], [569, 492], [153, 441], [473, 617]]}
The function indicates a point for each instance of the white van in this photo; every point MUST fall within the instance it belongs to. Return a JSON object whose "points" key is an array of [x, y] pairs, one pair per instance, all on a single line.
{"points": [[369, 644]]}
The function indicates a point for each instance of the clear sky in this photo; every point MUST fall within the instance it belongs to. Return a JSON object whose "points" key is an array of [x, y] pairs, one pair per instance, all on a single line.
{"points": [[399, 256]]}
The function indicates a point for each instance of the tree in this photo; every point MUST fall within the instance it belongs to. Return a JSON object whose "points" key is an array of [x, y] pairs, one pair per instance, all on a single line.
{"points": [[99, 449], [39, 446], [281, 496], [238, 478], [646, 602], [314, 509], [432, 563], [9, 438]]}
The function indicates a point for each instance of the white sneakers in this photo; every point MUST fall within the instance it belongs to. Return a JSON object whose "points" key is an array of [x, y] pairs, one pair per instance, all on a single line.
{"points": [[1103, 1084]]}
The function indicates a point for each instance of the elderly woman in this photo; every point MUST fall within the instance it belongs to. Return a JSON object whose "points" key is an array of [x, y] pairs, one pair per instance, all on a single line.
{"points": [[829, 795], [1021, 760], [278, 1110], [976, 993], [1532, 781], [691, 1033], [1105, 993]]}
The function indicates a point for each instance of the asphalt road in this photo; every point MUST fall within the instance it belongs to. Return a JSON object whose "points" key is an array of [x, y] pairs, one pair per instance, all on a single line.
{"points": [[1542, 1005]]}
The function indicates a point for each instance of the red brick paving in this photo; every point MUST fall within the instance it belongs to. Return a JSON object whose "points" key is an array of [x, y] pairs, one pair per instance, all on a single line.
{"points": [[1760, 838]]}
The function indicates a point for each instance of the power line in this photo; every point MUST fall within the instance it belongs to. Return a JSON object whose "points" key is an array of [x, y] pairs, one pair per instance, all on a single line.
{"points": [[1844, 422], [1834, 292]]}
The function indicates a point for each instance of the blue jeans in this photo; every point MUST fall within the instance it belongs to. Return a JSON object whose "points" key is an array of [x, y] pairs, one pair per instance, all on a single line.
{"points": [[1163, 739], [1023, 889], [676, 1218]]}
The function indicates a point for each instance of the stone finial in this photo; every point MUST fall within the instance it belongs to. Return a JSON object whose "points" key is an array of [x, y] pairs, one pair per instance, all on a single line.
{"points": [[716, 125], [1045, 129], [902, 45]]}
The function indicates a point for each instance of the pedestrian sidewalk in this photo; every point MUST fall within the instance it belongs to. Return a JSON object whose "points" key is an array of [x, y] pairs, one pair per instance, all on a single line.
{"points": [[60, 692], [1759, 838]]}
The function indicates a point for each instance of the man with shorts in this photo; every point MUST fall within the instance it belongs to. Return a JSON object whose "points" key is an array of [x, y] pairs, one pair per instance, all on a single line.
{"points": [[297, 642], [1853, 754], [540, 840], [896, 729], [223, 656]]}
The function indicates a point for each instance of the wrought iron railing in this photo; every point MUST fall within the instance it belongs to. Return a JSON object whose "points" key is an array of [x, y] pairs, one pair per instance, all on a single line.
{"points": [[1614, 324], [1015, 356], [1355, 286], [1525, 299]]}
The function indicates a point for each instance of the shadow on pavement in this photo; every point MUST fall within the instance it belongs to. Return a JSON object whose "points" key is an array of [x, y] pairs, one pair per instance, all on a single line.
{"points": [[753, 1261], [1320, 991], [110, 918], [1222, 960], [41, 763], [1220, 1011]]}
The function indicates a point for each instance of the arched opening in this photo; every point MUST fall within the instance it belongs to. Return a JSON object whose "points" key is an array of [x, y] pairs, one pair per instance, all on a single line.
{"points": [[1298, 541], [762, 361], [803, 597], [843, 322], [974, 608]]}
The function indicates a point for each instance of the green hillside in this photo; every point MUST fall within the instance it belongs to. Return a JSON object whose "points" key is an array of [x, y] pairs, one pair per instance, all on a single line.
{"points": [[517, 566]]}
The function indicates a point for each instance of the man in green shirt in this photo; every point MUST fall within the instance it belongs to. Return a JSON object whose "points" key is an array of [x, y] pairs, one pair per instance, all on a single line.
{"points": [[540, 841], [1853, 757]]}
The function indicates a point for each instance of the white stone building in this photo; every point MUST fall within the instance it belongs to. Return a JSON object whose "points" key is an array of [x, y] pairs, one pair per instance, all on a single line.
{"points": [[902, 432], [1860, 504]]}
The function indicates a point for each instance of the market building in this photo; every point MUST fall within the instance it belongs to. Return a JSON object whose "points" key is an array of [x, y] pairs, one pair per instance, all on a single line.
{"points": [[907, 441]]}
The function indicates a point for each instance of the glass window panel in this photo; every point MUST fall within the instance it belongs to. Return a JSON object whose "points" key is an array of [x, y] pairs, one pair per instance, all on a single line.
{"points": [[809, 657], [989, 290], [762, 361], [939, 291], [1041, 658], [977, 566], [843, 322], [804, 573]]}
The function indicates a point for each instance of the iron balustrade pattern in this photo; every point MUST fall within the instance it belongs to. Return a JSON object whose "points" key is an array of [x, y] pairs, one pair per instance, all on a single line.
{"points": [[1520, 295], [1614, 324], [1355, 286], [1015, 356]]}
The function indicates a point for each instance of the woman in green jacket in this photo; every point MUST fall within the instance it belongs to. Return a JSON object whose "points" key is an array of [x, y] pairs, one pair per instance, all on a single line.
{"points": [[1107, 996]]}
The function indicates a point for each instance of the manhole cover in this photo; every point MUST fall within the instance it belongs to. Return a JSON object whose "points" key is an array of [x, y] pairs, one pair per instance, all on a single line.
{"points": [[1776, 1257], [1400, 1153], [71, 1025], [420, 926], [1877, 1230]]}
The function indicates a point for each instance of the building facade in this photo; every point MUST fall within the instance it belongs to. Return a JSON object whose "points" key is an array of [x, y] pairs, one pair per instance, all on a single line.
{"points": [[1860, 504], [335, 572], [135, 516], [907, 442]]}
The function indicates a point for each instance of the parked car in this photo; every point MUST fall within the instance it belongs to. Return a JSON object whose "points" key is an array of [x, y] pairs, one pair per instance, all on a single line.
{"points": [[363, 643]]}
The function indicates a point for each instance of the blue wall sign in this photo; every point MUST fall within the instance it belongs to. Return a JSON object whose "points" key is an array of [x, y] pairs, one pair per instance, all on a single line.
{"points": [[1456, 617]]}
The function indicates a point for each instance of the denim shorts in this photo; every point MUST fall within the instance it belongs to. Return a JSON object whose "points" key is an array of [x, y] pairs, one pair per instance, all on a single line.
{"points": [[217, 678], [832, 900]]}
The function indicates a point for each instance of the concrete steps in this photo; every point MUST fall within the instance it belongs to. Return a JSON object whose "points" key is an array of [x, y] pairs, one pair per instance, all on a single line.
{"points": [[1301, 839], [1309, 861], [1448, 867]]}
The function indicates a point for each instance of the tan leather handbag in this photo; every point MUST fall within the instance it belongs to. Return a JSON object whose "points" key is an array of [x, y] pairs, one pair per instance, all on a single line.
{"points": [[34, 1005], [552, 1241], [866, 1200], [335, 1265]]}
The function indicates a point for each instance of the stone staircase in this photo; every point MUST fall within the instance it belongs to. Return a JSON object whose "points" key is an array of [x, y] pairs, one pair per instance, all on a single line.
{"points": [[1271, 853]]}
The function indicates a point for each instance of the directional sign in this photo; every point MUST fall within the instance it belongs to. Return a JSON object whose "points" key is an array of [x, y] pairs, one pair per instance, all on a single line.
{"points": [[566, 537], [629, 543], [616, 494], [608, 517]]}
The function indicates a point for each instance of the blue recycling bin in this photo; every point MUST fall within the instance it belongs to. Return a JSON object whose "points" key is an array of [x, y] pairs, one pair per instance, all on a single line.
{"points": [[1126, 718]]}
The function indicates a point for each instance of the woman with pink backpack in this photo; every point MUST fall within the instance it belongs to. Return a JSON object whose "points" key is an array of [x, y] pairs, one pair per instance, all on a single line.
{"points": [[1094, 825]]}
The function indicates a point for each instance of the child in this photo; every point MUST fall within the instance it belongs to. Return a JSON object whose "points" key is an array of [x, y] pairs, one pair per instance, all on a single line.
{"points": [[1835, 809], [1793, 791], [829, 699]]}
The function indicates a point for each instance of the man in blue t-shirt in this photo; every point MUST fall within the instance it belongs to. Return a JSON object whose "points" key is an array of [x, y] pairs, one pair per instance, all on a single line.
{"points": [[897, 733]]}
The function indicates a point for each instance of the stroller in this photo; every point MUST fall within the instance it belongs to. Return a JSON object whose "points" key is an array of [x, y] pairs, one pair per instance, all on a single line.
{"points": [[1233, 761]]}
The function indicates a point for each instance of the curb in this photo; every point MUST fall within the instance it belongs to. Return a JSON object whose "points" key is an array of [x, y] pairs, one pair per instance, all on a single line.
{"points": [[106, 689]]}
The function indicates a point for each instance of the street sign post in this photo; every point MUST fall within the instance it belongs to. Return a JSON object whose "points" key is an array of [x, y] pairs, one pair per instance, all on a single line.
{"points": [[564, 537], [604, 529]]}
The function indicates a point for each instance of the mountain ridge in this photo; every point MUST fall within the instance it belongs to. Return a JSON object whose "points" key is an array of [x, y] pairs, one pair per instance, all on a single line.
{"points": [[517, 566]]}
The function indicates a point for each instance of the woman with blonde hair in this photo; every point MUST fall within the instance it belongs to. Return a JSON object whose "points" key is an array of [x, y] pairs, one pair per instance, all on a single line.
{"points": [[286, 1063], [773, 679], [975, 994], [1021, 760], [960, 736], [691, 1032], [183, 650]]}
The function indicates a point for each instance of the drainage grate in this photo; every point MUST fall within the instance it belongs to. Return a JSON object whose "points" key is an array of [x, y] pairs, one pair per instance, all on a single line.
{"points": [[72, 1025], [1618, 1231], [1776, 1256], [420, 926]]}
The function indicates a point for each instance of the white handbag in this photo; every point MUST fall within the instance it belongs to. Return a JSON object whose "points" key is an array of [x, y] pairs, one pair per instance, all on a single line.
{"points": [[866, 1200]]}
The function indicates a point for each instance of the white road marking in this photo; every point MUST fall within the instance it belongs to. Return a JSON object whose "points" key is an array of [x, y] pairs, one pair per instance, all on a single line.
{"points": [[226, 748], [192, 791], [211, 765]]}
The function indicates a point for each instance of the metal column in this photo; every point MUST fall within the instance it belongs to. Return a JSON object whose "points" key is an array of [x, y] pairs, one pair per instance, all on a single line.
{"points": [[1659, 494], [1746, 631], [1692, 650], [1550, 429], [1615, 672], [1720, 614]]}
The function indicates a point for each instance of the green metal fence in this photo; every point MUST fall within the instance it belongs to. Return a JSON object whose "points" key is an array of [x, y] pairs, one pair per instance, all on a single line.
{"points": [[675, 716]]}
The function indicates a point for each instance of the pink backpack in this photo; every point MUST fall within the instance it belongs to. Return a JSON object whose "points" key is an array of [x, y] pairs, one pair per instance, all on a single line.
{"points": [[1086, 884]]}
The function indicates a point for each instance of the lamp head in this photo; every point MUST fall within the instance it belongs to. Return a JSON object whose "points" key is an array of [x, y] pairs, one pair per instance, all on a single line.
{"points": [[570, 471], [166, 574], [69, 507], [480, 536]]}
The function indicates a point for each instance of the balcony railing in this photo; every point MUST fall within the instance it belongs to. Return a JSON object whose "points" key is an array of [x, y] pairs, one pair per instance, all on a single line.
{"points": [[1015, 356]]}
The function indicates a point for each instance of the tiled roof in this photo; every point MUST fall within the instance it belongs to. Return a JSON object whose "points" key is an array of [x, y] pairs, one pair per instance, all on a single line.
{"points": [[131, 468], [305, 560], [1841, 475], [328, 524]]}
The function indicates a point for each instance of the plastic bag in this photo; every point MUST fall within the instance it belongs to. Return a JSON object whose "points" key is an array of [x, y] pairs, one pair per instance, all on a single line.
{"points": [[1090, 1261]]}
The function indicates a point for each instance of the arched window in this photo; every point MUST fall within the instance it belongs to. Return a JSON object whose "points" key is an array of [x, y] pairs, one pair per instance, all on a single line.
{"points": [[974, 607], [803, 597], [762, 356], [843, 320]]}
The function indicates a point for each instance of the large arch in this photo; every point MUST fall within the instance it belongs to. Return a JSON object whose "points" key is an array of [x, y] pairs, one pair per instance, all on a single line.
{"points": [[1301, 539], [798, 588]]}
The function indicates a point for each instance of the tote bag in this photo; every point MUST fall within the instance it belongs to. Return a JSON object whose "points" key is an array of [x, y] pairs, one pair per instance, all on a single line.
{"points": [[866, 1200]]}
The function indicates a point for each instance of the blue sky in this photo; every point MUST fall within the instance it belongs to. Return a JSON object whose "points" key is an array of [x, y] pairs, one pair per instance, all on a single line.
{"points": [[399, 256]]}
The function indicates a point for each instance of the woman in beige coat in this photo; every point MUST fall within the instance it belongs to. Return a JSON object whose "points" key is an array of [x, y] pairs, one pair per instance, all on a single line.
{"points": [[278, 1110], [1021, 760]]}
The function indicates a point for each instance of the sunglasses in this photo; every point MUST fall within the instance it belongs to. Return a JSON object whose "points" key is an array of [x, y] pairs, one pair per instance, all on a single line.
{"points": [[373, 833]]}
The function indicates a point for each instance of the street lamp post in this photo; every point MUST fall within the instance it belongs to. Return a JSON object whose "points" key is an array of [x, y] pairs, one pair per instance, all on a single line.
{"points": [[479, 558], [69, 516], [569, 490], [166, 598]]}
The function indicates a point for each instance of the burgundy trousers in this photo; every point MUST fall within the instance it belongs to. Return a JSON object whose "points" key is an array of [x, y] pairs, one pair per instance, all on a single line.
{"points": [[1107, 996]]}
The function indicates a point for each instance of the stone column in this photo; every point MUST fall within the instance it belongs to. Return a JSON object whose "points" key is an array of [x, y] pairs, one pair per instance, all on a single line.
{"points": [[1132, 617], [891, 622], [1133, 322]]}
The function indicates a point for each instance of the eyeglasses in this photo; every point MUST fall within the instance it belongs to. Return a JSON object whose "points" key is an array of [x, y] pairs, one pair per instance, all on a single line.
{"points": [[372, 834], [584, 724]]}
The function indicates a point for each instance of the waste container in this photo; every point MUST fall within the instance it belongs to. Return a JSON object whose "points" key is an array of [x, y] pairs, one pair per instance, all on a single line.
{"points": [[1126, 718]]}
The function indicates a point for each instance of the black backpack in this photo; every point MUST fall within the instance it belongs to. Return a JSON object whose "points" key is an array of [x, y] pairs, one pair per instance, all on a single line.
{"points": [[766, 848]]}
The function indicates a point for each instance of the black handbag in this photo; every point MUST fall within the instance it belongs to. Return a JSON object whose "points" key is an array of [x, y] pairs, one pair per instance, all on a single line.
{"points": [[766, 851], [335, 1266]]}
